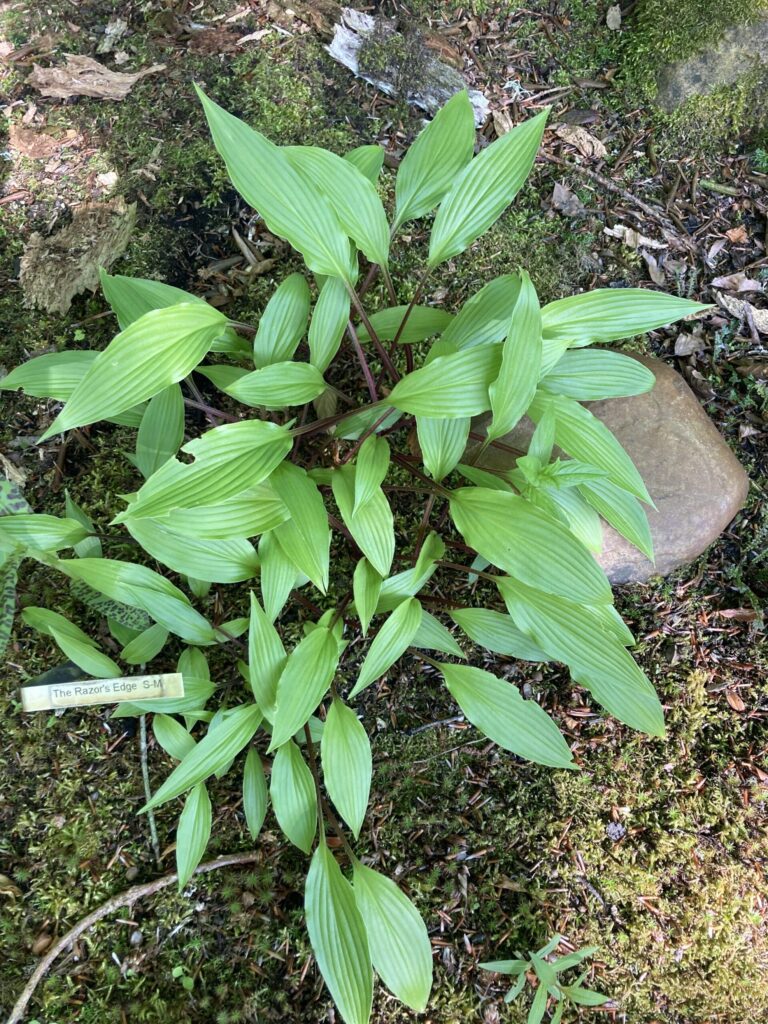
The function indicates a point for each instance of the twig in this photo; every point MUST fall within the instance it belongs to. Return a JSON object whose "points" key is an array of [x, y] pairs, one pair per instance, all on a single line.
{"points": [[148, 791], [209, 411], [124, 899], [375, 340]]}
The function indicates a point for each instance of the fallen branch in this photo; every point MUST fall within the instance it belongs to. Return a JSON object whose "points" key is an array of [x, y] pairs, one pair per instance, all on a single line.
{"points": [[125, 899]]}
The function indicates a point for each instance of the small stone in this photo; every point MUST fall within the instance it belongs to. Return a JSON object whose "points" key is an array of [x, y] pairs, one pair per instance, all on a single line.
{"points": [[137, 937], [615, 831]]}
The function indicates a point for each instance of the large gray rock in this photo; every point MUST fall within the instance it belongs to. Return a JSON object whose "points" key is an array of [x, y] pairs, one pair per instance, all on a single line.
{"points": [[695, 480]]}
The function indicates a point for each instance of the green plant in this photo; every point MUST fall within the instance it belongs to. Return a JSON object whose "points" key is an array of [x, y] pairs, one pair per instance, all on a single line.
{"points": [[546, 971], [529, 532]]}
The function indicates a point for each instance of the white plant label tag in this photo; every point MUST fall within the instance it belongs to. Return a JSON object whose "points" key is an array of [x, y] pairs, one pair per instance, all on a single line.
{"points": [[101, 691]]}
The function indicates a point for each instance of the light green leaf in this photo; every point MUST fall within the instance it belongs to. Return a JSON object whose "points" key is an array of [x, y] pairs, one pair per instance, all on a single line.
{"points": [[345, 751], [589, 375], [278, 385], [622, 510], [266, 658], [359, 422], [283, 322], [262, 174], [215, 750], [140, 587], [372, 526], [278, 575], [435, 159], [484, 189], [352, 196], [585, 437], [161, 431], [256, 510], [397, 937], [568, 506], [255, 796], [76, 644], [216, 561], [368, 160], [157, 350], [496, 632], [452, 386], [610, 314], [89, 547], [197, 689], [146, 646], [389, 643], [338, 937], [528, 544], [371, 468], [193, 833], [584, 996], [486, 316], [294, 799], [574, 634], [309, 521], [442, 443], [40, 532], [303, 683], [422, 323], [172, 736], [329, 320], [496, 708], [410, 581], [433, 636], [366, 586], [513, 390], [228, 460]]}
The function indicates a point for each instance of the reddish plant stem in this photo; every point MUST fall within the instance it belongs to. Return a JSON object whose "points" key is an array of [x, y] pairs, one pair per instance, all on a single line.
{"points": [[364, 436], [211, 413], [423, 526], [376, 341], [435, 487], [412, 303], [369, 379]]}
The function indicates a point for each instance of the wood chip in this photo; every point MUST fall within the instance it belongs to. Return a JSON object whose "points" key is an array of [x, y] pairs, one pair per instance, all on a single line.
{"points": [[30, 143], [582, 140], [84, 76]]}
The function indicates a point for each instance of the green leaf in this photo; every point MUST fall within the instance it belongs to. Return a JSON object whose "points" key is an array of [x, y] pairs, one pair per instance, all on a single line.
{"points": [[568, 506], [484, 189], [146, 646], [157, 350], [585, 437], [610, 314], [496, 708], [278, 385], [406, 584], [622, 510], [513, 390], [352, 196], [294, 800], [372, 526], [422, 323], [584, 996], [368, 160], [172, 736], [278, 575], [140, 587], [256, 510], [486, 316], [193, 833], [366, 587], [9, 565], [538, 1006], [433, 162], [262, 174], [76, 644], [228, 460], [217, 561], [215, 750], [371, 468], [266, 658], [574, 634], [364, 419], [303, 683], [345, 751], [88, 547], [528, 544], [309, 519], [513, 967], [329, 320], [433, 636], [40, 532], [283, 322], [338, 937], [496, 632], [397, 937], [389, 643], [442, 443], [451, 386], [589, 375], [255, 796]]}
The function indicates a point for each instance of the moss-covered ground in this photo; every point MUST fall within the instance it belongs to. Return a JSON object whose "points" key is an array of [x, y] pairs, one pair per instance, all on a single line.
{"points": [[655, 851]]}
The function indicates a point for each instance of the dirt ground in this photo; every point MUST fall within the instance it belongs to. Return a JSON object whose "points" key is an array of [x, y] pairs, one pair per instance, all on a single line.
{"points": [[656, 851]]}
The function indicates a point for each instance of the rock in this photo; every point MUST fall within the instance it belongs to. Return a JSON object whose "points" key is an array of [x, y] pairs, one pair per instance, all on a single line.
{"points": [[740, 47], [692, 475]]}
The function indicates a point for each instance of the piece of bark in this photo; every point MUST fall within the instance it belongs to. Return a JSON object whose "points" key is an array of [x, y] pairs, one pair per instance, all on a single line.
{"points": [[84, 76]]}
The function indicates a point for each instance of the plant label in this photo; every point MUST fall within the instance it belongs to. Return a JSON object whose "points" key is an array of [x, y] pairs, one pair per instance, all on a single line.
{"points": [[101, 691]]}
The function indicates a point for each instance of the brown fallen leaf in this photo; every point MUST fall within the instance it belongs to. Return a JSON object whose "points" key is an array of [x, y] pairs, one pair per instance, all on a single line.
{"points": [[655, 272], [41, 943], [737, 235], [567, 202], [8, 888], [735, 701], [740, 614], [753, 368], [737, 283], [84, 76], [502, 122], [744, 311], [632, 238], [32, 144], [582, 140], [687, 344]]}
